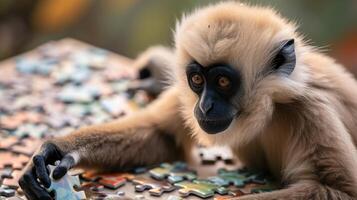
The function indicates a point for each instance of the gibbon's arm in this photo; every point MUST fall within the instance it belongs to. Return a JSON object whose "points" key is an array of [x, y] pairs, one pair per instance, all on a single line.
{"points": [[320, 163], [155, 134]]}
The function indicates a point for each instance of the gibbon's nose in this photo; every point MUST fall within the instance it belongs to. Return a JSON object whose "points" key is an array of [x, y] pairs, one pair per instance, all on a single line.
{"points": [[206, 105]]}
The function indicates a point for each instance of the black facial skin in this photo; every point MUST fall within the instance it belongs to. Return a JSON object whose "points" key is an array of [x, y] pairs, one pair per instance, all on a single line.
{"points": [[215, 87], [214, 111]]}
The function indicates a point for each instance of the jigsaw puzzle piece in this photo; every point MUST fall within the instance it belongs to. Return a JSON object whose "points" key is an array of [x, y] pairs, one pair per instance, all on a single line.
{"points": [[13, 181], [7, 141], [94, 187], [5, 172], [201, 188], [28, 129], [239, 177], [90, 176], [156, 188], [173, 197], [230, 177], [27, 146], [76, 94], [232, 193], [64, 187], [7, 192], [174, 173], [109, 180], [9, 159], [115, 180], [210, 155]]}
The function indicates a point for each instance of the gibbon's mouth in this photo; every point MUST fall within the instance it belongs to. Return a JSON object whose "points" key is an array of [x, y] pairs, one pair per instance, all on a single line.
{"points": [[214, 126]]}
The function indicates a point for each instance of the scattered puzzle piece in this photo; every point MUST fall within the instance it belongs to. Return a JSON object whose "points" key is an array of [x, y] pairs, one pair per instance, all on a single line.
{"points": [[94, 187], [109, 180], [13, 181], [174, 173], [173, 197], [27, 146], [212, 154], [90, 176], [8, 141], [201, 188], [115, 180], [156, 188], [64, 187], [76, 94], [230, 177], [32, 130], [6, 192], [231, 194], [238, 178], [6, 172], [9, 159]]}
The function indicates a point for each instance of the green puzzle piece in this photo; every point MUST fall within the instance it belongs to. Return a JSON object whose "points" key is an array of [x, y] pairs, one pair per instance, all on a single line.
{"points": [[63, 188], [201, 188], [238, 178], [174, 173]]}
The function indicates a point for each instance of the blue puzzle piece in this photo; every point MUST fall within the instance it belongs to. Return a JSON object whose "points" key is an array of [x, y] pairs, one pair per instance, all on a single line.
{"points": [[63, 188]]}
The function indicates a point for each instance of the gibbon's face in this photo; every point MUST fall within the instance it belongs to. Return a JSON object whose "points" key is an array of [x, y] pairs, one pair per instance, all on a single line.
{"points": [[215, 85], [234, 62]]}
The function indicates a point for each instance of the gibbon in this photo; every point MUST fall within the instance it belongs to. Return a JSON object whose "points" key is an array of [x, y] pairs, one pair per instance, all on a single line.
{"points": [[243, 77]]}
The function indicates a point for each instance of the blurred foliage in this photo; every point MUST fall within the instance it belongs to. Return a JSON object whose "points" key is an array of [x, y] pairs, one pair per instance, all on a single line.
{"points": [[130, 26]]}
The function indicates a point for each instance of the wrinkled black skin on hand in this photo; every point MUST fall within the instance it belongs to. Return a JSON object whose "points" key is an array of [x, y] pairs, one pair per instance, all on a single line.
{"points": [[214, 111], [36, 178]]}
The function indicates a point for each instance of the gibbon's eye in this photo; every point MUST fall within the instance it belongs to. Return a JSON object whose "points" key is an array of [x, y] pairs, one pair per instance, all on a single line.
{"points": [[224, 82], [197, 79]]}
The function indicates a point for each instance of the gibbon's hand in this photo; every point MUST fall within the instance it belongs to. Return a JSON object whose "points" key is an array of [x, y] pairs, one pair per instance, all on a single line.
{"points": [[36, 177]]}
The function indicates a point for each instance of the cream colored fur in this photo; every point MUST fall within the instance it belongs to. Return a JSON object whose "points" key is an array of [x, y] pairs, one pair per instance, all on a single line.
{"points": [[302, 127]]}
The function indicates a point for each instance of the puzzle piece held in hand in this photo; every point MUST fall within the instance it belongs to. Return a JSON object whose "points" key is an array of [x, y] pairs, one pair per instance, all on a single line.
{"points": [[174, 173], [64, 187], [210, 155], [156, 188], [201, 188]]}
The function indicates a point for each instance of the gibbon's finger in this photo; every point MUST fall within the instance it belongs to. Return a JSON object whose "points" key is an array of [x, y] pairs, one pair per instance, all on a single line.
{"points": [[41, 170], [28, 193], [51, 153], [32, 188], [66, 163]]}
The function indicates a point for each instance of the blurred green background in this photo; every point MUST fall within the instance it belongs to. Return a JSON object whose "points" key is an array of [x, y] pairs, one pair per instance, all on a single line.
{"points": [[130, 26]]}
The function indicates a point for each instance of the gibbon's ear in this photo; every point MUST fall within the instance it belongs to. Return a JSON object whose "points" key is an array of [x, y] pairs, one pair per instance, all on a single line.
{"points": [[285, 59]]}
